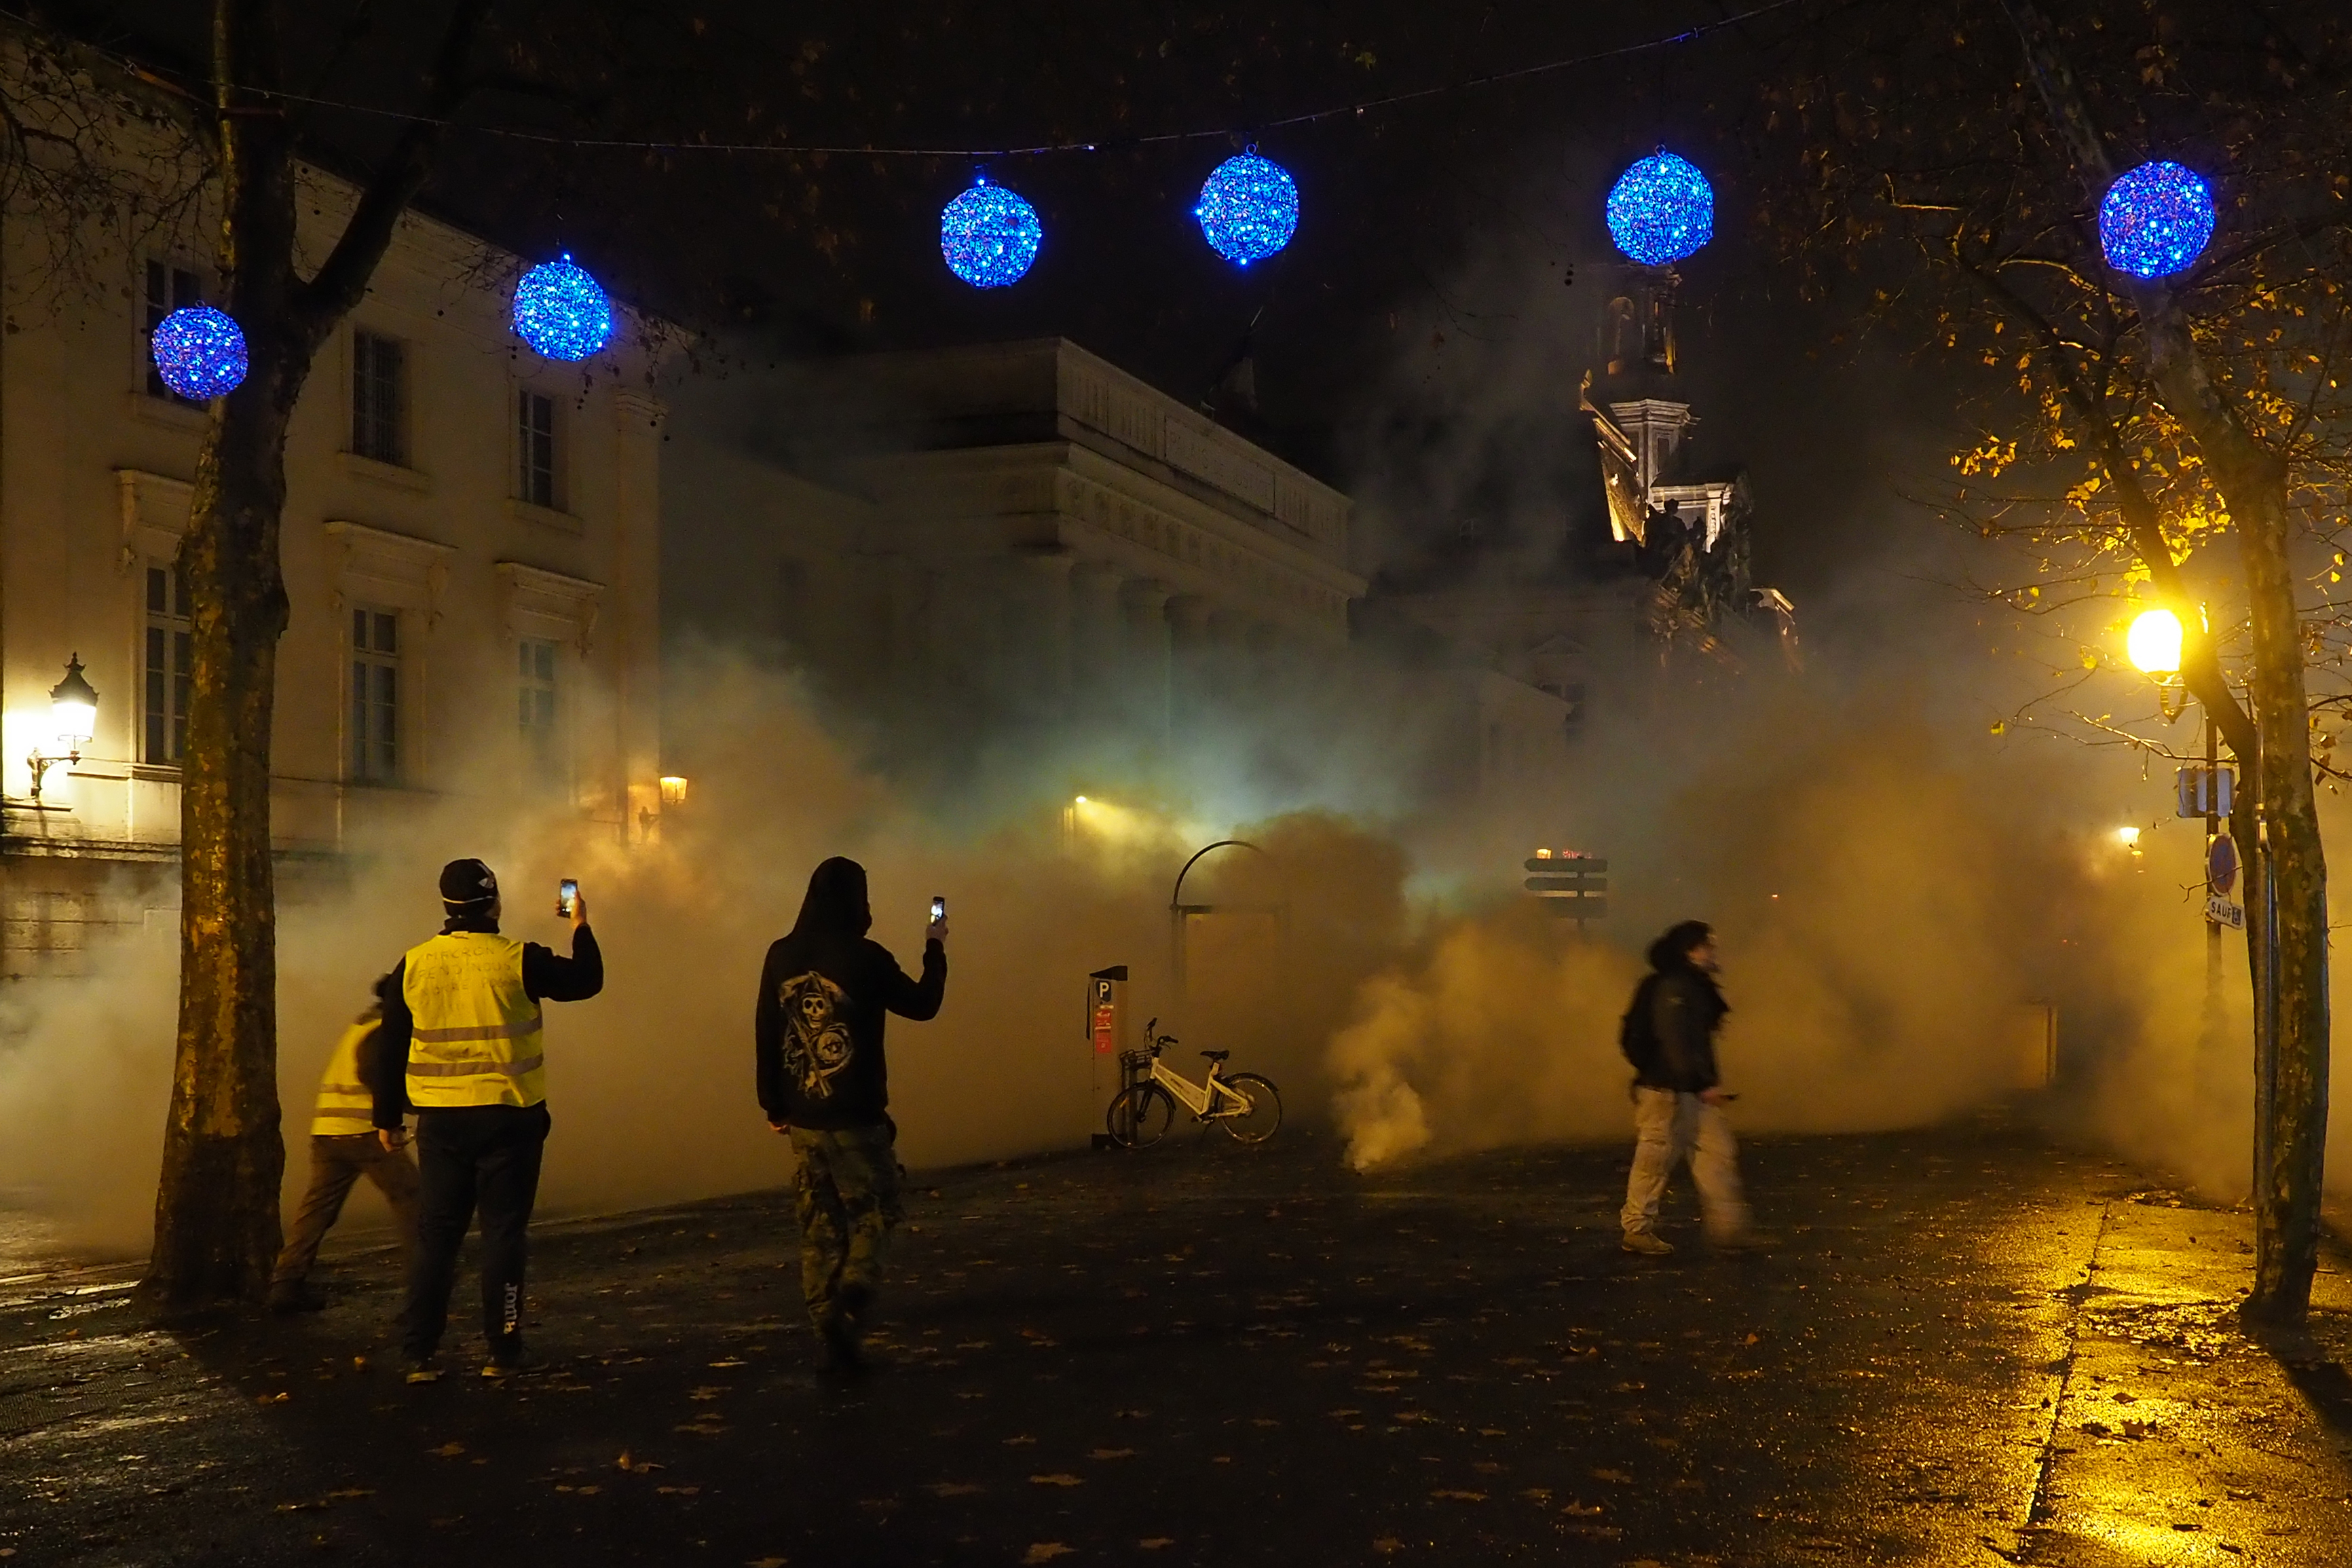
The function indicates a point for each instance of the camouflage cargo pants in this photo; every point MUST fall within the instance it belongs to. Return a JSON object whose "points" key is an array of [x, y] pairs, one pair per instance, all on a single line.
{"points": [[847, 1200]]}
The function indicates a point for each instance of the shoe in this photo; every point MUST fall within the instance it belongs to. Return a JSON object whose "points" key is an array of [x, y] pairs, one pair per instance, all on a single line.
{"points": [[295, 1296], [516, 1363], [1649, 1244], [838, 1352], [420, 1369]]}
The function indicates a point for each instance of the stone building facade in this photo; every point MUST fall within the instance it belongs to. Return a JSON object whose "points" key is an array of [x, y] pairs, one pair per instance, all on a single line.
{"points": [[472, 553], [989, 542]]}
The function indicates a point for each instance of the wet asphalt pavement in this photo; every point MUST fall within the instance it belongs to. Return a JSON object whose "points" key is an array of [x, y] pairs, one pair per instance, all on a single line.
{"points": [[1972, 1346]]}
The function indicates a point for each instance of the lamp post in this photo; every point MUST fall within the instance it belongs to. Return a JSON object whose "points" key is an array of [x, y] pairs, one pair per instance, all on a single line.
{"points": [[2153, 645], [73, 709]]}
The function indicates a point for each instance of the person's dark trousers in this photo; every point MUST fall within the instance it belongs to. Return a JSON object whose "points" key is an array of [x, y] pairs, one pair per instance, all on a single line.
{"points": [[475, 1156], [336, 1163]]}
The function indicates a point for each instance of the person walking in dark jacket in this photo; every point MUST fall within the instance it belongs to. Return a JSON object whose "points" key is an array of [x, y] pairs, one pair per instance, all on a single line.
{"points": [[1678, 1098], [824, 1082]]}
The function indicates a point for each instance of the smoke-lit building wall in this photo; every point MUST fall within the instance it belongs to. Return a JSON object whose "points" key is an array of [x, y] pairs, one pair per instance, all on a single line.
{"points": [[970, 544], [468, 613]]}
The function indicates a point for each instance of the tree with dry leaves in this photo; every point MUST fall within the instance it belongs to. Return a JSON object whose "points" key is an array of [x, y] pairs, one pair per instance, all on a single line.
{"points": [[2182, 439]]}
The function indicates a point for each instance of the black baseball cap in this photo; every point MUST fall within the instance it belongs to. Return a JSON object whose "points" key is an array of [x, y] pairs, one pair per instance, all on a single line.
{"points": [[465, 883]]}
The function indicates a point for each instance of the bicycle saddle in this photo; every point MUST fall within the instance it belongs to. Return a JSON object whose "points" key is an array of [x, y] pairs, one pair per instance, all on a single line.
{"points": [[1216, 1055]]}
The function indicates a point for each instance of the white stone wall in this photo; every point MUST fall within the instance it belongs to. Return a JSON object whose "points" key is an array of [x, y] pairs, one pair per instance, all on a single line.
{"points": [[94, 485]]}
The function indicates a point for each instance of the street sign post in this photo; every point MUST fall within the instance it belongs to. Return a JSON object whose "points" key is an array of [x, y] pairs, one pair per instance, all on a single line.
{"points": [[1572, 886], [2205, 791], [2221, 881]]}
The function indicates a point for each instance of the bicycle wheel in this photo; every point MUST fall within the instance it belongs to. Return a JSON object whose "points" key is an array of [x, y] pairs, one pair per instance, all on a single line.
{"points": [[1257, 1124], [1139, 1115]]}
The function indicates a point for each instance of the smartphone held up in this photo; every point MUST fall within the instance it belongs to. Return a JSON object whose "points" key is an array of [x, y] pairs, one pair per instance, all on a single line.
{"points": [[567, 897]]}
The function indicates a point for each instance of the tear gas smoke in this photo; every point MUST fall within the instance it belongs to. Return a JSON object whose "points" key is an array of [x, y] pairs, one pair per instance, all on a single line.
{"points": [[1888, 897]]}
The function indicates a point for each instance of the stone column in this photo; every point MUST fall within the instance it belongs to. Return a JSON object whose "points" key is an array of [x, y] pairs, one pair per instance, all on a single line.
{"points": [[1038, 632], [1191, 664], [1095, 654], [1146, 667]]}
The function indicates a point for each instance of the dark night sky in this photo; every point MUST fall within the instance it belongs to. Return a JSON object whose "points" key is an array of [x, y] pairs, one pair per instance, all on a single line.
{"points": [[1416, 342]]}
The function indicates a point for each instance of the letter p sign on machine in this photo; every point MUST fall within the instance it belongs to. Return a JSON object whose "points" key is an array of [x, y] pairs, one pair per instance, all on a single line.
{"points": [[1105, 990]]}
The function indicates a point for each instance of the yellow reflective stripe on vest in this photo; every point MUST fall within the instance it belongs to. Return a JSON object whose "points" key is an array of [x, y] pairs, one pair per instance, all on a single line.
{"points": [[529, 1026], [475, 1039], [346, 1106], [474, 1064]]}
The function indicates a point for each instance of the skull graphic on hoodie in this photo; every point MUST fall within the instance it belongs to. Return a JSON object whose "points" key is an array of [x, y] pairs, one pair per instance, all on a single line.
{"points": [[818, 1043]]}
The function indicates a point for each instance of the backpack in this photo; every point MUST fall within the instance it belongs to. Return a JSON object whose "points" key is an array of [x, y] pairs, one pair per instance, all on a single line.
{"points": [[1637, 1032]]}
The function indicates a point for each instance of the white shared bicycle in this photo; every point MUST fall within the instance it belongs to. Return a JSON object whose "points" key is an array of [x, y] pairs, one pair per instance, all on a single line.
{"points": [[1244, 1104]]}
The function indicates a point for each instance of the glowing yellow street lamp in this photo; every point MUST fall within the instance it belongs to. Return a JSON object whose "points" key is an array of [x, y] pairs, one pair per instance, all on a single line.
{"points": [[73, 709], [2154, 643]]}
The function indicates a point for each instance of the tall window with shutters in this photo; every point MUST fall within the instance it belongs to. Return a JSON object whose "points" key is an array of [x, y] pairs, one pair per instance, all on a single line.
{"points": [[375, 696], [535, 449], [535, 709], [163, 693], [169, 288], [379, 398]]}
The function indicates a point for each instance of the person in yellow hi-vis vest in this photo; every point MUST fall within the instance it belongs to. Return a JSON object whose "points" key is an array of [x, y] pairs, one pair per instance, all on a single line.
{"points": [[463, 1014], [344, 1148]]}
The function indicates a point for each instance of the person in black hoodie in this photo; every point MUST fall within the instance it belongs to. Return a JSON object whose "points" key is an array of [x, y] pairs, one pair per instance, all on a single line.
{"points": [[1678, 1098], [823, 1081]]}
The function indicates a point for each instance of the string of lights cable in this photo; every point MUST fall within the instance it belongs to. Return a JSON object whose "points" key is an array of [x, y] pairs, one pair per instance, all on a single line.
{"points": [[1201, 134]]}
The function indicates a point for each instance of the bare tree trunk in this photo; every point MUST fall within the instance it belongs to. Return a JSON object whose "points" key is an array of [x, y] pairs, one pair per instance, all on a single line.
{"points": [[2292, 1144], [2251, 480], [217, 1229]]}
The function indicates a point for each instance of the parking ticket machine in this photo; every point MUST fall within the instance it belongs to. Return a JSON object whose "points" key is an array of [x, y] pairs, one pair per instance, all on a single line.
{"points": [[1105, 1005]]}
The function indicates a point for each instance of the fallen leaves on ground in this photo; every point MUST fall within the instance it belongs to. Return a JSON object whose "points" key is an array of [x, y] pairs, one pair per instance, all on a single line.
{"points": [[448, 1450], [1020, 1441], [953, 1489], [1452, 1496], [1154, 1543], [1058, 1479], [1614, 1477], [636, 1467], [1388, 1544], [1112, 1453], [1045, 1551], [765, 1562]]}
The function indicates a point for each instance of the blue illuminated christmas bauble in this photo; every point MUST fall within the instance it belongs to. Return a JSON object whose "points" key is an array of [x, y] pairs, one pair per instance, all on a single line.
{"points": [[2155, 220], [989, 236], [1249, 208], [561, 311], [199, 352], [1660, 210]]}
